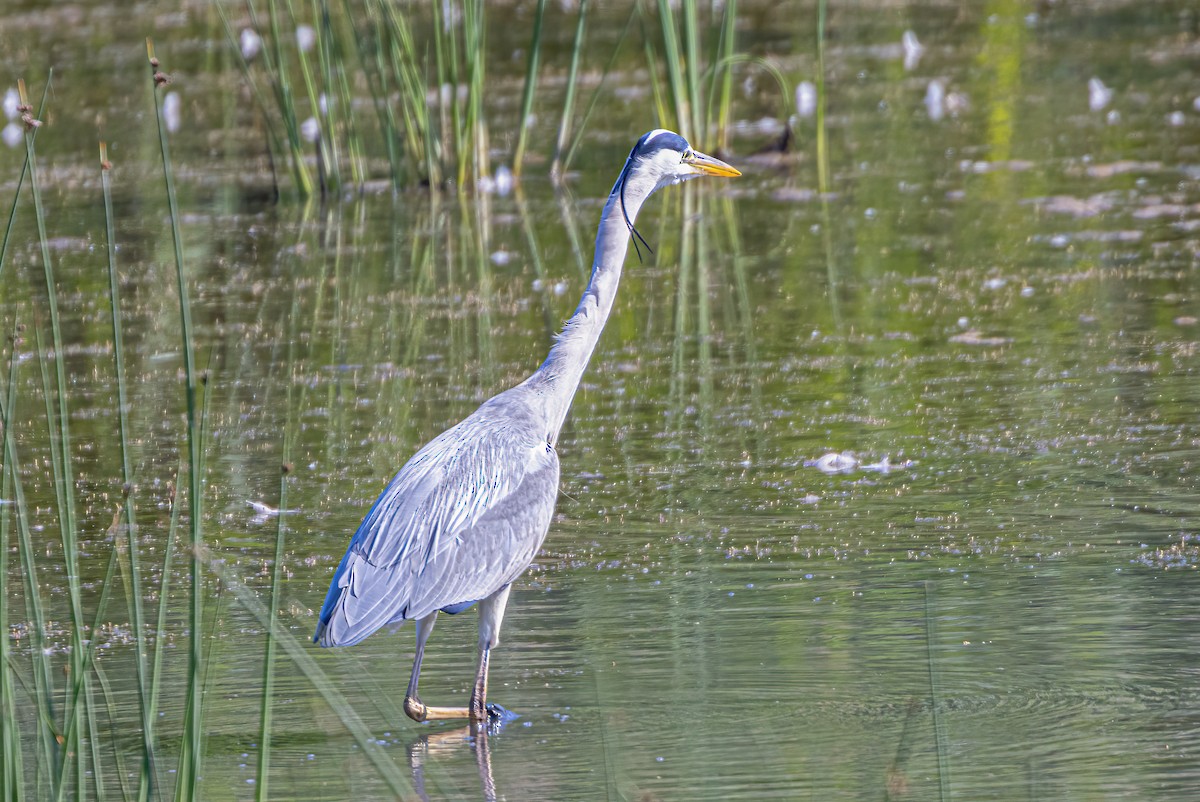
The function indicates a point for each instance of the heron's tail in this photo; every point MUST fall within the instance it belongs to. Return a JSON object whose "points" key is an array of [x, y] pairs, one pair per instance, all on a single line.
{"points": [[362, 598]]}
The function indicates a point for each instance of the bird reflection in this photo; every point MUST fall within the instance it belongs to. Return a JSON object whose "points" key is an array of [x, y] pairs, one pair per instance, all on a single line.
{"points": [[446, 743]]}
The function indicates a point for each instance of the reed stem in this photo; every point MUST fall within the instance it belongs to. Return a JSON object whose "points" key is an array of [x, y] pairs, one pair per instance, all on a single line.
{"points": [[531, 70], [61, 461], [134, 570], [268, 693], [190, 751], [564, 125]]}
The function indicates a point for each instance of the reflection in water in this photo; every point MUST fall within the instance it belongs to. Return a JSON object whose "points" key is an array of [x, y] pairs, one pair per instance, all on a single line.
{"points": [[435, 744]]}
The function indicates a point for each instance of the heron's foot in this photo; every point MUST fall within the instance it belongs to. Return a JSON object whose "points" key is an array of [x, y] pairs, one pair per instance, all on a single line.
{"points": [[499, 715], [417, 710], [492, 720], [489, 713]]}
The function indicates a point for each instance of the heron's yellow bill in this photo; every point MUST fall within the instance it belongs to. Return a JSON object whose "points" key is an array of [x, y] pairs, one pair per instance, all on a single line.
{"points": [[710, 166]]}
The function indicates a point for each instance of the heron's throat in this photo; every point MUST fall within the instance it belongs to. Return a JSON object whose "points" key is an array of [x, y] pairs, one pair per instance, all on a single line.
{"points": [[560, 374]]}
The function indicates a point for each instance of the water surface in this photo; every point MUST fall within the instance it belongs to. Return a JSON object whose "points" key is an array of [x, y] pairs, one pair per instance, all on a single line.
{"points": [[993, 313]]}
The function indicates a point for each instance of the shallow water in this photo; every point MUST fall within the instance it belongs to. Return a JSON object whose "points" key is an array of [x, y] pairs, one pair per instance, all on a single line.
{"points": [[994, 314]]}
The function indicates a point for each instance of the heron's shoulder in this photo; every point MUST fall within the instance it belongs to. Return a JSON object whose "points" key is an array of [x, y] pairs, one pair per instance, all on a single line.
{"points": [[517, 415], [504, 431]]}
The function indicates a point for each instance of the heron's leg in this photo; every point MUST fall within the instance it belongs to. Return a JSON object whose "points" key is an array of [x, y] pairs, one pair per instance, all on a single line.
{"points": [[413, 706], [491, 615]]}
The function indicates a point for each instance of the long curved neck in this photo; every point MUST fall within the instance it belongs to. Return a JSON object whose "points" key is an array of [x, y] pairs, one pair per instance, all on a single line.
{"points": [[559, 376]]}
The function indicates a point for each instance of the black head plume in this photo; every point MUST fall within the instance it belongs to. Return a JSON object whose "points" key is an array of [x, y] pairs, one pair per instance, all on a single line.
{"points": [[648, 143]]}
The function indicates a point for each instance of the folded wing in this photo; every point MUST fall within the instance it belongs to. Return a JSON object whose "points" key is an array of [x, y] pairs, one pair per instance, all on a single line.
{"points": [[462, 519]]}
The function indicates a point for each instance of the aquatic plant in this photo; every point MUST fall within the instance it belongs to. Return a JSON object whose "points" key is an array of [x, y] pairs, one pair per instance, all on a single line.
{"points": [[192, 746], [426, 92]]}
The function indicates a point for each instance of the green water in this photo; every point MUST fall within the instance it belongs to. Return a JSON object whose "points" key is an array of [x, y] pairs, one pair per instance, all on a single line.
{"points": [[1002, 304]]}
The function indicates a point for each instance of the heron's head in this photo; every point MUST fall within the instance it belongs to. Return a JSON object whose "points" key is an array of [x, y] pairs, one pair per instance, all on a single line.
{"points": [[661, 158]]}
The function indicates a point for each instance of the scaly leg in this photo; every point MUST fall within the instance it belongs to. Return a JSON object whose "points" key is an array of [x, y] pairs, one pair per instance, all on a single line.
{"points": [[491, 615], [413, 706]]}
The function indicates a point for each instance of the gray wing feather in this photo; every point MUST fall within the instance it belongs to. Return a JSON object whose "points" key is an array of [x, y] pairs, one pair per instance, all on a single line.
{"points": [[462, 519]]}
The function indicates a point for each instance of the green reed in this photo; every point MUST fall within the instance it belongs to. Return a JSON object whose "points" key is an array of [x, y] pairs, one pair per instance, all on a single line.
{"points": [[564, 126], [279, 84], [427, 92], [58, 429], [11, 762], [191, 747], [133, 573], [725, 54], [12, 497], [269, 659], [401, 66], [275, 143], [164, 596], [531, 70], [699, 58], [634, 13], [822, 141], [301, 656], [831, 268]]}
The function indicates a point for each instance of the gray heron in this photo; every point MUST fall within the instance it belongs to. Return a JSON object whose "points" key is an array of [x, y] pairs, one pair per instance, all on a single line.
{"points": [[467, 514]]}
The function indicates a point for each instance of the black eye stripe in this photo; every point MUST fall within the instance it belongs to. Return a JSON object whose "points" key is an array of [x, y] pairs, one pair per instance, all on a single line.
{"points": [[666, 139]]}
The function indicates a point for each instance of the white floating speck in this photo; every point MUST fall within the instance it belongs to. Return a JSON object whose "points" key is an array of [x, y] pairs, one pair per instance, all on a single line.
{"points": [[1099, 95], [560, 288], [835, 462], [172, 111], [306, 37], [1176, 119], [12, 135], [806, 99], [935, 100], [310, 129], [913, 50], [251, 43], [503, 181], [957, 102], [12, 100]]}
